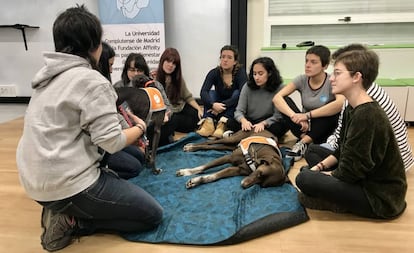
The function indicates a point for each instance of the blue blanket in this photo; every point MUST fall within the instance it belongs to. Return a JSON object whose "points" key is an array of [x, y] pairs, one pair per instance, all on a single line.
{"points": [[221, 212]]}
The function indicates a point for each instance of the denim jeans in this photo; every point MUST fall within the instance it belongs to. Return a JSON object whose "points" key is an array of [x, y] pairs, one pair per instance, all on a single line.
{"points": [[228, 113], [127, 162], [110, 204]]}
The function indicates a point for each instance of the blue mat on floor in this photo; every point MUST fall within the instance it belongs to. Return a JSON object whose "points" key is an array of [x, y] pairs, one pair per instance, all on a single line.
{"points": [[218, 213]]}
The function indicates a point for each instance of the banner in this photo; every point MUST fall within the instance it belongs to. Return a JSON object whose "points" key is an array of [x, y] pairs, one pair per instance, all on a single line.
{"points": [[133, 26]]}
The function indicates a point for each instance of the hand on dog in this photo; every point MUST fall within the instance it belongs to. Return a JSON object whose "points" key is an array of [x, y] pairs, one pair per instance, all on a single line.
{"points": [[246, 125], [259, 127]]}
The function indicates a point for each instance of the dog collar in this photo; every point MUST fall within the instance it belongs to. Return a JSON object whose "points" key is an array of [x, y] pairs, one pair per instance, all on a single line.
{"points": [[245, 143]]}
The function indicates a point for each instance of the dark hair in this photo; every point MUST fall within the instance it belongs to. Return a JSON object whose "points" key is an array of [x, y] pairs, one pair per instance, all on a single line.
{"points": [[231, 48], [323, 52], [174, 90], [107, 53], [139, 63], [354, 46], [274, 79], [77, 31], [365, 62]]}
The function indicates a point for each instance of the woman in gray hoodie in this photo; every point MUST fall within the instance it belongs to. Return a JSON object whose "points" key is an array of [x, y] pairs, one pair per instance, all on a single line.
{"points": [[70, 117]]}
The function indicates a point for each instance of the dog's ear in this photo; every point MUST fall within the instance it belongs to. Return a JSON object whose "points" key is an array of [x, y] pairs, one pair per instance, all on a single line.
{"points": [[273, 173]]}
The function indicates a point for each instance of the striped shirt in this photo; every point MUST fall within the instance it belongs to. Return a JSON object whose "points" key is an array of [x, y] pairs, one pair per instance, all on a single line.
{"points": [[397, 124]]}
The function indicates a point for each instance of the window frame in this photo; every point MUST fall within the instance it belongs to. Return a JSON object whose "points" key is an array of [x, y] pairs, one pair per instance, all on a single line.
{"points": [[329, 19]]}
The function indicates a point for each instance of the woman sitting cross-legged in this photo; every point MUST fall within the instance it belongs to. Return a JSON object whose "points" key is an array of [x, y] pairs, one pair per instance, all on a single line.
{"points": [[368, 177]]}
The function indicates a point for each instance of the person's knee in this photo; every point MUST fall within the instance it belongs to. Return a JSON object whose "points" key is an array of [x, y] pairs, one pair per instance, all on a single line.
{"points": [[303, 181], [311, 155], [157, 217]]}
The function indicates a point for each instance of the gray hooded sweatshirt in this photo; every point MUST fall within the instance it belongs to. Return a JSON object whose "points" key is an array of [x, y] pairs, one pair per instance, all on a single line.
{"points": [[71, 113]]}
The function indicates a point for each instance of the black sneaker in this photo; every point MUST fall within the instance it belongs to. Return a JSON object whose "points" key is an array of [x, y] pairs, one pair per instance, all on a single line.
{"points": [[57, 230], [319, 204]]}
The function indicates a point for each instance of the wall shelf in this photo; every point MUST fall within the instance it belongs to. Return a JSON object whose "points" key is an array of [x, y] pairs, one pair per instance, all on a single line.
{"points": [[384, 46], [22, 28]]}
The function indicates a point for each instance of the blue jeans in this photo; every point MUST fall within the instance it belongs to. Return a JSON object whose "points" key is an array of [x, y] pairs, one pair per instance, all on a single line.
{"points": [[127, 162], [110, 204], [228, 113]]}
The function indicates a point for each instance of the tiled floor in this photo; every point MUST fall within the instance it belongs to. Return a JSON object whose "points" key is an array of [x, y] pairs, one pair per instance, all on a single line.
{"points": [[11, 111]]}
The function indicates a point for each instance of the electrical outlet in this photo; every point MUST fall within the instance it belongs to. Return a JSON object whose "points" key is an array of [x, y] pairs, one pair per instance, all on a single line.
{"points": [[8, 91]]}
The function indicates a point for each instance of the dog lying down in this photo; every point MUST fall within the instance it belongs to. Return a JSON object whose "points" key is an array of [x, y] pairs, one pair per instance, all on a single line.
{"points": [[255, 155]]}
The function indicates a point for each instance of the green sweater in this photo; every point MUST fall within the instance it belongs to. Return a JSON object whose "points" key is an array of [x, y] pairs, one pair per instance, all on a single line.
{"points": [[368, 155]]}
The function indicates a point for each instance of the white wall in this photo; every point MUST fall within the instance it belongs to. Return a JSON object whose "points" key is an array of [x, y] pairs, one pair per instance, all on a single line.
{"points": [[18, 66], [394, 63], [197, 28], [255, 12]]}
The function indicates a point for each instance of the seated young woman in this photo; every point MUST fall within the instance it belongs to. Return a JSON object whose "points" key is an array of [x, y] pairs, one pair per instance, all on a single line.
{"points": [[368, 177], [255, 109], [319, 115]]}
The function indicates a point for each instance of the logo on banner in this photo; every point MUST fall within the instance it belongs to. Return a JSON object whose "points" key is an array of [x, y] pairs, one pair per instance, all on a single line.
{"points": [[131, 8]]}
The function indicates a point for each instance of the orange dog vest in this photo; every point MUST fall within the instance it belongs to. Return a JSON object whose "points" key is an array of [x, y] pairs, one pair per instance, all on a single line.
{"points": [[245, 144]]}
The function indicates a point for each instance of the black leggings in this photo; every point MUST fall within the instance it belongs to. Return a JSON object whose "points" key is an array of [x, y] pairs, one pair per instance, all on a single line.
{"points": [[316, 153], [348, 196], [167, 133], [321, 128], [186, 120]]}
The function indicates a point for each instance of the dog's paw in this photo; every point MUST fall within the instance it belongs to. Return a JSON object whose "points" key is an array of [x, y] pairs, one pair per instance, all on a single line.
{"points": [[183, 172], [179, 173], [188, 147], [156, 171], [189, 171], [193, 182]]}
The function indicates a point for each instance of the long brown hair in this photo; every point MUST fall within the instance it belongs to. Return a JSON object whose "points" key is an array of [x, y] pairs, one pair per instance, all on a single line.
{"points": [[174, 90]]}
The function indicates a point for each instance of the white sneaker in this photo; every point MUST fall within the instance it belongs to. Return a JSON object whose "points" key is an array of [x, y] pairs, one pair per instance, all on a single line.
{"points": [[298, 151]]}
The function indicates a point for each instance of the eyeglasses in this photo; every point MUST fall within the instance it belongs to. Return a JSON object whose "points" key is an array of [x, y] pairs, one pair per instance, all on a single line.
{"points": [[336, 73], [135, 70]]}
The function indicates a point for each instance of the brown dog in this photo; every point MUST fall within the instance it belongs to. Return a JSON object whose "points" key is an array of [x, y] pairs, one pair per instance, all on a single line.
{"points": [[262, 163]]}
